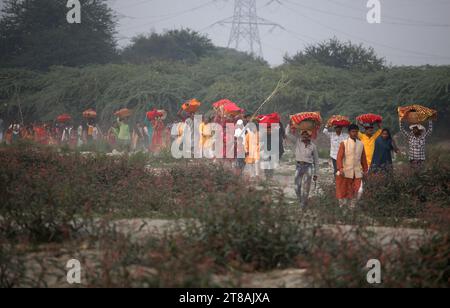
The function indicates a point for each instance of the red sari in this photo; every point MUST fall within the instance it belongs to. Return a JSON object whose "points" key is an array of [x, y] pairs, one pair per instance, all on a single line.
{"points": [[159, 130], [40, 135]]}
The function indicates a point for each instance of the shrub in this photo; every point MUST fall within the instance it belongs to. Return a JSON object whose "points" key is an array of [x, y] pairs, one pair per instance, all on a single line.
{"points": [[249, 229], [338, 260], [49, 196], [404, 198]]}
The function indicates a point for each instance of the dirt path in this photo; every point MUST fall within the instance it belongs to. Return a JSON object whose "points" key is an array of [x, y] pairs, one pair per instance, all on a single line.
{"points": [[285, 176]]}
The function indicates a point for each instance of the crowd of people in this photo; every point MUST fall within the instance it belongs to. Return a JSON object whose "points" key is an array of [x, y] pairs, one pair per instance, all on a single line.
{"points": [[354, 153], [358, 154], [121, 135]]}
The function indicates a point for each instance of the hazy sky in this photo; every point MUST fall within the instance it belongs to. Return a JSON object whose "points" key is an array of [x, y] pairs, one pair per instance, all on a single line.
{"points": [[412, 32]]}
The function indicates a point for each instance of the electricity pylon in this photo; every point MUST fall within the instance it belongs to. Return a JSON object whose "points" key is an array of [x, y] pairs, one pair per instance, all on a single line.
{"points": [[245, 27]]}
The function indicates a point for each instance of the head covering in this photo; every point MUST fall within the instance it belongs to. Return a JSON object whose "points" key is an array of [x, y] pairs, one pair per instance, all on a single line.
{"points": [[418, 126], [239, 131]]}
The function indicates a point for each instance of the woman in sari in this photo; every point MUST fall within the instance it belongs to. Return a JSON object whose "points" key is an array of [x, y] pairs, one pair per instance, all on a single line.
{"points": [[9, 135], [149, 133], [40, 134], [382, 156], [112, 138], [159, 130]]}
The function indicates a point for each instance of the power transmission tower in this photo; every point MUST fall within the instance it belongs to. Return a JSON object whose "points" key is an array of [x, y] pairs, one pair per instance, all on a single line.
{"points": [[245, 27]]}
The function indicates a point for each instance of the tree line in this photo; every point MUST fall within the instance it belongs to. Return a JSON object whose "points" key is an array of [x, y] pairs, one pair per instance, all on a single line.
{"points": [[49, 67]]}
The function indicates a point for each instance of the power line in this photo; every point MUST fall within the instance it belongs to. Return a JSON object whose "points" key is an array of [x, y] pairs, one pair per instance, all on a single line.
{"points": [[172, 15], [406, 21], [135, 4], [361, 38], [245, 25]]}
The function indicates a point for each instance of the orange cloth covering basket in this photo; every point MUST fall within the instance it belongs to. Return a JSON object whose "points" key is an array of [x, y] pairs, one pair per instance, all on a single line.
{"points": [[309, 121], [90, 114], [151, 115], [123, 113], [222, 102], [191, 106], [339, 120], [272, 118], [416, 114], [369, 118], [232, 109], [304, 116], [64, 118], [227, 107]]}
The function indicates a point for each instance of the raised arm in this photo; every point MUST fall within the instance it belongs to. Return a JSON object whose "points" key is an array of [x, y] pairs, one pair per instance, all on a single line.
{"points": [[403, 130], [430, 129]]}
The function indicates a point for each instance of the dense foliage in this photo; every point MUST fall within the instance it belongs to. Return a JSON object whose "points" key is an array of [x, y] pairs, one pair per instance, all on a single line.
{"points": [[166, 84], [39, 27], [184, 45], [338, 54]]}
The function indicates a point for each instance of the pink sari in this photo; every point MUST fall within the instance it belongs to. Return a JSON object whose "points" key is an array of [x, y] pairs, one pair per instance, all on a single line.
{"points": [[158, 136]]}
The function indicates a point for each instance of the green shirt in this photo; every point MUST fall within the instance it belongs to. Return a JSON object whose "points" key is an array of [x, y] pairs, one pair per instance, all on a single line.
{"points": [[124, 131]]}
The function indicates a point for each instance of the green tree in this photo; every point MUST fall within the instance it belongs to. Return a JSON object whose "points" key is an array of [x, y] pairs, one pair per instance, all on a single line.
{"points": [[179, 45], [35, 34], [338, 54]]}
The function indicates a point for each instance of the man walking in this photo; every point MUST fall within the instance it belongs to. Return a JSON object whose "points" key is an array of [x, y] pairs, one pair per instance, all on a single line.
{"points": [[417, 141], [307, 158], [352, 165], [368, 138]]}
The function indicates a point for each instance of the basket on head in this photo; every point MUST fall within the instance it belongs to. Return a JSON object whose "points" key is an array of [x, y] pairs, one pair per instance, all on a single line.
{"points": [[191, 106], [123, 113], [369, 119], [64, 118], [416, 114], [273, 118], [151, 115], [313, 117], [338, 121], [232, 109], [307, 121], [413, 117], [90, 114]]}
